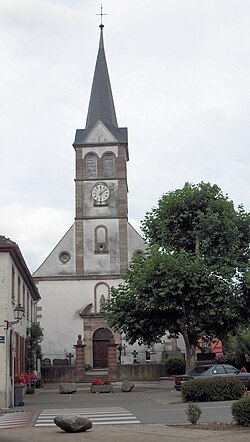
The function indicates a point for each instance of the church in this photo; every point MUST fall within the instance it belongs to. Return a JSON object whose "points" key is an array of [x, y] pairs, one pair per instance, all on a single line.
{"points": [[93, 255]]}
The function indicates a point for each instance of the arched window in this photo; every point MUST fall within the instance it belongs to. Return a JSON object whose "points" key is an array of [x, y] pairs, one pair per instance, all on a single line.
{"points": [[101, 239], [109, 165], [101, 295], [91, 165]]}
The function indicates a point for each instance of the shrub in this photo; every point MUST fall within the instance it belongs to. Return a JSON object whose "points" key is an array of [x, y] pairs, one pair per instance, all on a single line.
{"points": [[193, 412], [212, 389], [88, 367], [175, 365], [241, 411]]}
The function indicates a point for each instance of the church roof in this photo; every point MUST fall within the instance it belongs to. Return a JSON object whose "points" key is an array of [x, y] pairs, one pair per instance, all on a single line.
{"points": [[101, 104]]}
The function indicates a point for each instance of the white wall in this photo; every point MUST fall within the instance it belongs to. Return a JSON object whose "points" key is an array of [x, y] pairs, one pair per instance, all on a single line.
{"points": [[62, 301]]}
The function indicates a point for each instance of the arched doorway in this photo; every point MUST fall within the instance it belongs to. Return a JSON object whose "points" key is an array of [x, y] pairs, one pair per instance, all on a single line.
{"points": [[101, 341]]}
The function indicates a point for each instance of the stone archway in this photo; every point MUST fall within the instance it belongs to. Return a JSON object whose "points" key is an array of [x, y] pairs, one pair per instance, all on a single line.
{"points": [[101, 341]]}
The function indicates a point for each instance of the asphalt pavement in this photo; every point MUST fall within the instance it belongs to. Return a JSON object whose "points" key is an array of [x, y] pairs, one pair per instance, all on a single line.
{"points": [[159, 410]]}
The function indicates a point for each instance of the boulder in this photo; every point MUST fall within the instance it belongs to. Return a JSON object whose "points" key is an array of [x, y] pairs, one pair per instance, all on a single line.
{"points": [[127, 386], [67, 388], [73, 423]]}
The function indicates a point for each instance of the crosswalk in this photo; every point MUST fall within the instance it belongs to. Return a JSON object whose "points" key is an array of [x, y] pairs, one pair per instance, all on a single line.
{"points": [[98, 416], [16, 420]]}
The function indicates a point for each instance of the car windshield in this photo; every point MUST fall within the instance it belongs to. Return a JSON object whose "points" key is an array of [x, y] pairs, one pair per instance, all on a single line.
{"points": [[198, 370]]}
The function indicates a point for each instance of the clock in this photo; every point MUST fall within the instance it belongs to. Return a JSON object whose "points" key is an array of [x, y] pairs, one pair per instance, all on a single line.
{"points": [[100, 192]]}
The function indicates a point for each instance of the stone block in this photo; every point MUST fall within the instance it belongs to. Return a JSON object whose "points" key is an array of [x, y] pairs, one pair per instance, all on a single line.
{"points": [[127, 386], [73, 423], [67, 388]]}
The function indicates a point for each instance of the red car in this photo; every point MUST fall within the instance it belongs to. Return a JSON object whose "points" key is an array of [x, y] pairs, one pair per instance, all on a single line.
{"points": [[205, 371]]}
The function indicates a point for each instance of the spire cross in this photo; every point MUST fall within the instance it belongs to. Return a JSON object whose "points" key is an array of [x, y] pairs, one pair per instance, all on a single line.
{"points": [[101, 16]]}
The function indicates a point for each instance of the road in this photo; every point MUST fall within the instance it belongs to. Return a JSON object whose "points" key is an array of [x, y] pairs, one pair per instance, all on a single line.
{"points": [[143, 415], [146, 403]]}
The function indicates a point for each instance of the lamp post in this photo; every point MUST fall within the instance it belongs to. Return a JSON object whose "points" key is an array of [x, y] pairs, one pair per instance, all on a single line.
{"points": [[18, 315]]}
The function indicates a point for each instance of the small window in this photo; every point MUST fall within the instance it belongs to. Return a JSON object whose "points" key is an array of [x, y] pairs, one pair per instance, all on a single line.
{"points": [[64, 257], [91, 166], [18, 290], [28, 305], [101, 239], [13, 283], [108, 165], [24, 297]]}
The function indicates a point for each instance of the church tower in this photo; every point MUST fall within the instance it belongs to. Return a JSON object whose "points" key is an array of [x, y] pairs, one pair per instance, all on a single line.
{"points": [[101, 182], [76, 278]]}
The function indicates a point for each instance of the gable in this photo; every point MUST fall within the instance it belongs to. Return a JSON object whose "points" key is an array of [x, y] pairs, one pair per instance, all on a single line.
{"points": [[100, 134]]}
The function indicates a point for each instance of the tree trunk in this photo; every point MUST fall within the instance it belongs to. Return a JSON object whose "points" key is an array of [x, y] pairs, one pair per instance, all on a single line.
{"points": [[190, 351]]}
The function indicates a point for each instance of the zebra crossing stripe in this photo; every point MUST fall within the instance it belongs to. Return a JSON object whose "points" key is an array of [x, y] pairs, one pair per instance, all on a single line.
{"points": [[16, 420], [98, 416]]}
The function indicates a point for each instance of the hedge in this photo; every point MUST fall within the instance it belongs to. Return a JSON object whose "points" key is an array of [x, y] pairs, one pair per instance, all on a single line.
{"points": [[212, 389], [241, 411], [175, 365]]}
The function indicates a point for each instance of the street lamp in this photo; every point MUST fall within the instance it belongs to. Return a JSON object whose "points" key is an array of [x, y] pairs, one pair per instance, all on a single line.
{"points": [[18, 315]]}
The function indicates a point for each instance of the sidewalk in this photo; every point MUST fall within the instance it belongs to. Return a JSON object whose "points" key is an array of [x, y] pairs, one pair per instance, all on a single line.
{"points": [[131, 433]]}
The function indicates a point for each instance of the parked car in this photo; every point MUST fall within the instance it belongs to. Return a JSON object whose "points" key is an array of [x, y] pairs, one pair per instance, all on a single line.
{"points": [[205, 371]]}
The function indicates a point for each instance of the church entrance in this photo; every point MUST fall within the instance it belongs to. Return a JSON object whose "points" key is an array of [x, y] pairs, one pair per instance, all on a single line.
{"points": [[101, 341]]}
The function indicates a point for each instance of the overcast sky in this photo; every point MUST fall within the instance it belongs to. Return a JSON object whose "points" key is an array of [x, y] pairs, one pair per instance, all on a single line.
{"points": [[180, 76]]}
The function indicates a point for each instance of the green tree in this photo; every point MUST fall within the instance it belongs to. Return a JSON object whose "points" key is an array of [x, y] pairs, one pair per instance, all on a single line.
{"points": [[34, 351], [189, 281], [237, 347]]}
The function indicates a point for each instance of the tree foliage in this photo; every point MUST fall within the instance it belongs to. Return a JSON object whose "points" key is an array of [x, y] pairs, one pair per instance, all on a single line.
{"points": [[192, 279], [237, 347], [34, 339]]}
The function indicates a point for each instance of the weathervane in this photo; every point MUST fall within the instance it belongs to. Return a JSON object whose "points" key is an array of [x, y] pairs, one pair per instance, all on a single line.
{"points": [[101, 25]]}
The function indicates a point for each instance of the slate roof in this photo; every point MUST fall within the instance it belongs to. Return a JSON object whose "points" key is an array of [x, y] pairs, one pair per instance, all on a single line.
{"points": [[6, 245], [101, 103], [6, 242]]}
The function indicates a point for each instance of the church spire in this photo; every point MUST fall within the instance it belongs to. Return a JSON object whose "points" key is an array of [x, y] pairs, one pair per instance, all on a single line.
{"points": [[101, 104]]}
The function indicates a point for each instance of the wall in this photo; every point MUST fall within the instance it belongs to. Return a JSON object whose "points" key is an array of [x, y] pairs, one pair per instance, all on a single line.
{"points": [[62, 302], [141, 372], [58, 374]]}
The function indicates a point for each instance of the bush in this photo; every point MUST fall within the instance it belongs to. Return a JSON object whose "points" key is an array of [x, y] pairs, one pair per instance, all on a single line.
{"points": [[175, 365], [241, 411], [88, 367], [193, 412], [212, 389]]}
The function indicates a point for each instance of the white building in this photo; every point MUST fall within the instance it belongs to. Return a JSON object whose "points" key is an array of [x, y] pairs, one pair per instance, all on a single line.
{"points": [[95, 252], [18, 292]]}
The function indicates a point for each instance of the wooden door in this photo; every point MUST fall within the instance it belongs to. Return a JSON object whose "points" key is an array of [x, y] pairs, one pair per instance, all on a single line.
{"points": [[100, 351], [101, 341]]}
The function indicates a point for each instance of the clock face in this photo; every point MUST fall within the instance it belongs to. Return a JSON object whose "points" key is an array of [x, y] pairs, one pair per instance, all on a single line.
{"points": [[100, 193]]}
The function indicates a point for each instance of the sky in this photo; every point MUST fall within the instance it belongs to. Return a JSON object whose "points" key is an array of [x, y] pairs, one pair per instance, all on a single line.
{"points": [[179, 72]]}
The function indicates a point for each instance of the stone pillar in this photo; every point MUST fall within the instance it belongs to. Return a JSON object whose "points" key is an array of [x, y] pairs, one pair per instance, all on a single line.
{"points": [[112, 361], [80, 359]]}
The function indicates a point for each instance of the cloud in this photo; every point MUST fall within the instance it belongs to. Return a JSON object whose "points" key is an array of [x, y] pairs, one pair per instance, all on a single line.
{"points": [[180, 80], [36, 230]]}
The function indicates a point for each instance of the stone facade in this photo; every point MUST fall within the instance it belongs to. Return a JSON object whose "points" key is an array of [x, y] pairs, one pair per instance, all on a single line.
{"points": [[94, 254]]}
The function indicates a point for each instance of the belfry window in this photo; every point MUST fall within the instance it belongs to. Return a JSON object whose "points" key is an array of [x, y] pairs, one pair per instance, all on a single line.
{"points": [[101, 239], [91, 166], [108, 165]]}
